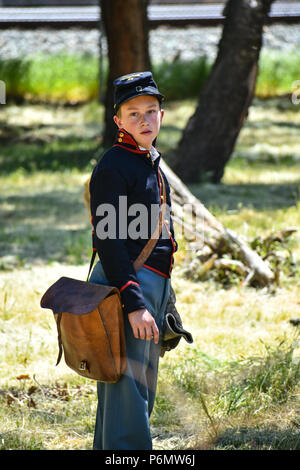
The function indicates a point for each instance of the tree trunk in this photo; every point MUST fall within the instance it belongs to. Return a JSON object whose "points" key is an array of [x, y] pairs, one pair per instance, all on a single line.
{"points": [[210, 135], [126, 29]]}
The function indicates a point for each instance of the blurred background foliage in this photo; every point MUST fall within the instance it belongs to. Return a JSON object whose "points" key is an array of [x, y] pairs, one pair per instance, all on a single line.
{"points": [[70, 78]]}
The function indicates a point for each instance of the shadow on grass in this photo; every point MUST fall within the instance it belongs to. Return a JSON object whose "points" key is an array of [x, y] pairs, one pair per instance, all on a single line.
{"points": [[256, 195], [266, 123], [44, 227], [254, 439], [68, 153], [28, 245]]}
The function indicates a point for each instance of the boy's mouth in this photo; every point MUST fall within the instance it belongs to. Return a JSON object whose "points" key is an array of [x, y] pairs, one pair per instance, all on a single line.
{"points": [[146, 132]]}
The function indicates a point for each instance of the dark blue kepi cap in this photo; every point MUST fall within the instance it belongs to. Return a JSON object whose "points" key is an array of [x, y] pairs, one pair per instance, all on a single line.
{"points": [[133, 85]]}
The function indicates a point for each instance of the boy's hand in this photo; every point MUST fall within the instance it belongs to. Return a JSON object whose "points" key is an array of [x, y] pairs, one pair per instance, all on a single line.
{"points": [[143, 325]]}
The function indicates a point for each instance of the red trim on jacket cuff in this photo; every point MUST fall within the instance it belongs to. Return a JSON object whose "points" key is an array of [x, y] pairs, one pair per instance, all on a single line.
{"points": [[127, 284]]}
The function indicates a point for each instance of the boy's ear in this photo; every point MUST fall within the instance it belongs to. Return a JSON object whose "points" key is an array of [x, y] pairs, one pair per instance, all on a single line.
{"points": [[117, 121]]}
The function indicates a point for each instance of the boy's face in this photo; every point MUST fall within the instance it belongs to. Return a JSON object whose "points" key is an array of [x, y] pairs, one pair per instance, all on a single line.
{"points": [[141, 117]]}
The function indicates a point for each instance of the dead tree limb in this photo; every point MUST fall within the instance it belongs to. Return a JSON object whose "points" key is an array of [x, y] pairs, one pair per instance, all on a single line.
{"points": [[209, 231]]}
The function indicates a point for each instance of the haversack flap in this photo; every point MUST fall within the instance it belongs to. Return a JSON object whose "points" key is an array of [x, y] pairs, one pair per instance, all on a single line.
{"points": [[75, 296]]}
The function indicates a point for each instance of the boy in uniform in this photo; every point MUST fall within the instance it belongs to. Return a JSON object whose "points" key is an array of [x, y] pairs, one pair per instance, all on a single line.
{"points": [[125, 181]]}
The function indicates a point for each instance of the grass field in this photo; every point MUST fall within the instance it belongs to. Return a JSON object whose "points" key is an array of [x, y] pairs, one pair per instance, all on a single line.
{"points": [[237, 386]]}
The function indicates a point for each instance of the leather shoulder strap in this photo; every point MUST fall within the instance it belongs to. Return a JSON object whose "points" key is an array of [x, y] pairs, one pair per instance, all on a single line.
{"points": [[148, 248], [91, 262]]}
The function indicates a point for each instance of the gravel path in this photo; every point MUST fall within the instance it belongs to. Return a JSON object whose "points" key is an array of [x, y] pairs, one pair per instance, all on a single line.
{"points": [[165, 43]]}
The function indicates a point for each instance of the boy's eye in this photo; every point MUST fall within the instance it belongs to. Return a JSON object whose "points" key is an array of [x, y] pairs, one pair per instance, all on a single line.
{"points": [[136, 113]]}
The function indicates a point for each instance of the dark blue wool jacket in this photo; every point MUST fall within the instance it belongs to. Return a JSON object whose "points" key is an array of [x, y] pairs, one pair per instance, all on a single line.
{"points": [[123, 179]]}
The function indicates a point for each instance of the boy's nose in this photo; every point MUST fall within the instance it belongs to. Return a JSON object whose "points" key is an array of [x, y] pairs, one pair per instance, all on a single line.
{"points": [[144, 119]]}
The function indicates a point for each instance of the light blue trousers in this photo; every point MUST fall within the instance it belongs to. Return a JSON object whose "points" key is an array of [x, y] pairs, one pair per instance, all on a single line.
{"points": [[124, 408]]}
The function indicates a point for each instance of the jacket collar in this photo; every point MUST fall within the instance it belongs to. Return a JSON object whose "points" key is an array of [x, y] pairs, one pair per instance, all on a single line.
{"points": [[124, 139], [127, 141]]}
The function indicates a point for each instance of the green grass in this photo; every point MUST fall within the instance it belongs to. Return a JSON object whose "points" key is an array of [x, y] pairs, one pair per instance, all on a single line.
{"points": [[64, 78], [51, 78], [277, 72], [258, 383], [71, 153], [237, 386], [181, 80]]}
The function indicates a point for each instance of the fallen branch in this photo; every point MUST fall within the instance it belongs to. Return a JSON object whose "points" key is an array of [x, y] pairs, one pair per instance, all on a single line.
{"points": [[212, 233]]}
